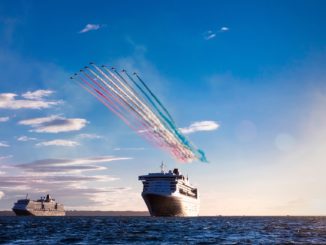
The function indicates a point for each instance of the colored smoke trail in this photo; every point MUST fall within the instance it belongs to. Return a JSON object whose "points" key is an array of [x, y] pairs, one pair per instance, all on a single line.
{"points": [[131, 99]]}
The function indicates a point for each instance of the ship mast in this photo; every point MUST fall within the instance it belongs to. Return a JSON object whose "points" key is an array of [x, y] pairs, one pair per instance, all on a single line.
{"points": [[162, 167]]}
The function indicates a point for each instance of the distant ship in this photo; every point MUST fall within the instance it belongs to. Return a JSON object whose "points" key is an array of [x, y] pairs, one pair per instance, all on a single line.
{"points": [[169, 194], [42, 207]]}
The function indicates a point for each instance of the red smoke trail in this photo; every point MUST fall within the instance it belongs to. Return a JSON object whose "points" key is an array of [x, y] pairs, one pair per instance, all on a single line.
{"points": [[102, 99], [156, 142], [116, 94], [137, 114]]}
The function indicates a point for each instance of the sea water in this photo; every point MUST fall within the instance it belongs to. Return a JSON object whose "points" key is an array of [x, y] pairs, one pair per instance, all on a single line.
{"points": [[151, 230]]}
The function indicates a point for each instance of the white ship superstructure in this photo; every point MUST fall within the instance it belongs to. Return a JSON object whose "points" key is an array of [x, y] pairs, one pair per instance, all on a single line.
{"points": [[45, 206], [169, 194]]}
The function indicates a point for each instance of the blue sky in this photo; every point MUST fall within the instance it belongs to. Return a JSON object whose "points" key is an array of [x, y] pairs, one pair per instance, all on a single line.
{"points": [[254, 68]]}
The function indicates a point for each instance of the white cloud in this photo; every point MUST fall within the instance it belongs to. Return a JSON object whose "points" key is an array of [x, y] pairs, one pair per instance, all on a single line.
{"points": [[89, 136], [37, 121], [117, 199], [47, 170], [212, 34], [37, 95], [59, 142], [5, 157], [76, 161], [4, 144], [224, 29], [200, 126], [90, 27], [4, 119], [69, 165], [54, 124], [209, 35], [1, 194], [52, 180], [25, 138], [9, 101]]}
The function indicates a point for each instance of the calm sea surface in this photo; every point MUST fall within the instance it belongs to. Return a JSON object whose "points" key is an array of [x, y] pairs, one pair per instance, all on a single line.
{"points": [[149, 230]]}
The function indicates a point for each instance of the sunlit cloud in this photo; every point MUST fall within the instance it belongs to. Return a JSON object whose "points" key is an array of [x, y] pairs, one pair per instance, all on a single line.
{"points": [[113, 199], [89, 136], [37, 95], [209, 35], [224, 29], [74, 161], [9, 101], [103, 196], [1, 194], [58, 142], [4, 144], [13, 181], [200, 126], [64, 165], [37, 121], [54, 124], [90, 27], [4, 119], [26, 138], [81, 197], [5, 157], [46, 169], [63, 179]]}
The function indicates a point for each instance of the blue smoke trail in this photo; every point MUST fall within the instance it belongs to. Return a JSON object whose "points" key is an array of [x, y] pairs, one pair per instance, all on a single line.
{"points": [[146, 99], [156, 99], [199, 153]]}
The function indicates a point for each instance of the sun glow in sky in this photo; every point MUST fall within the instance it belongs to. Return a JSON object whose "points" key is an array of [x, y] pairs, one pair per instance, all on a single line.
{"points": [[244, 80]]}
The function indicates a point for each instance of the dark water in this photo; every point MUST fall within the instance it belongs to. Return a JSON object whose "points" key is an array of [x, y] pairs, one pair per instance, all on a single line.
{"points": [[149, 230]]}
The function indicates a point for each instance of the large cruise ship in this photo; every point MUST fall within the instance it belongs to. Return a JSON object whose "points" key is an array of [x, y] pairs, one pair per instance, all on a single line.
{"points": [[45, 206], [169, 194]]}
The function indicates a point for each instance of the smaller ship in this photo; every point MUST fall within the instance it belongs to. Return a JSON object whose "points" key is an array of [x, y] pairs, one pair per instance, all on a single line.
{"points": [[169, 194], [45, 206]]}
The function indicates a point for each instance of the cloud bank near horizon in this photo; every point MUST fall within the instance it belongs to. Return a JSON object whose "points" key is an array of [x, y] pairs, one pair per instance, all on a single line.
{"points": [[64, 165], [67, 179]]}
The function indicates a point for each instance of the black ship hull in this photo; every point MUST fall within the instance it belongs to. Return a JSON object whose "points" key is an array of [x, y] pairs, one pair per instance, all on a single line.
{"points": [[161, 205], [20, 212]]}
